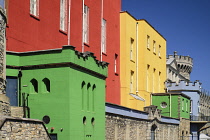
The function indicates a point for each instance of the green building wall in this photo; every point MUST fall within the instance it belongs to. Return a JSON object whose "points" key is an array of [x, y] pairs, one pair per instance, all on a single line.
{"points": [[178, 105], [75, 99]]}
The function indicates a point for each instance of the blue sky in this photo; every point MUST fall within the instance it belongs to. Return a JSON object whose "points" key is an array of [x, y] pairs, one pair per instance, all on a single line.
{"points": [[186, 26]]}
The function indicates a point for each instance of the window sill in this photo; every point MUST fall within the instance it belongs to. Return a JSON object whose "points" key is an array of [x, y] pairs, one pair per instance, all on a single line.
{"points": [[148, 49], [132, 61], [116, 73], [63, 32], [35, 17], [160, 57], [154, 53], [87, 45], [104, 53]]}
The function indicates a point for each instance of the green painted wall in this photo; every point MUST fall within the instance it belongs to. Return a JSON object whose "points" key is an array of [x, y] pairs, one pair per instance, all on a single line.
{"points": [[174, 105], [75, 93]]}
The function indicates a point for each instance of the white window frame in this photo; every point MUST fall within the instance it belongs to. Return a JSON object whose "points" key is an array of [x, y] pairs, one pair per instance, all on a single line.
{"points": [[103, 36], [63, 15], [148, 38], [131, 81], [115, 63], [159, 51], [131, 48], [34, 7], [154, 46], [86, 24]]}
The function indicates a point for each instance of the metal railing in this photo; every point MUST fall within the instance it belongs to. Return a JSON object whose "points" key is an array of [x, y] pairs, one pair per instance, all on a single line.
{"points": [[199, 118]]}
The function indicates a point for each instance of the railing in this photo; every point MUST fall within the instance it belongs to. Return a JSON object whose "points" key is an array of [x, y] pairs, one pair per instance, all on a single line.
{"points": [[199, 118]]}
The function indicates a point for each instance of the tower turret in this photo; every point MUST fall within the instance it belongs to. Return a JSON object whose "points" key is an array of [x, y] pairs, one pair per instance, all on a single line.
{"points": [[185, 64]]}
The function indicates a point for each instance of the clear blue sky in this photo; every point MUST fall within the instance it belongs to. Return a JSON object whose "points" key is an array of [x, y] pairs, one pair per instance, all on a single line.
{"points": [[186, 26]]}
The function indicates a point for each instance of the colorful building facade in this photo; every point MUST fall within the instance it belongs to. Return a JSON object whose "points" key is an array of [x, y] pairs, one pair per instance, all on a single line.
{"points": [[175, 105], [143, 53], [64, 88], [88, 25]]}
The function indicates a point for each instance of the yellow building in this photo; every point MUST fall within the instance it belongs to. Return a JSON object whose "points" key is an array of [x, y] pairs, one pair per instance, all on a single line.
{"points": [[143, 61]]}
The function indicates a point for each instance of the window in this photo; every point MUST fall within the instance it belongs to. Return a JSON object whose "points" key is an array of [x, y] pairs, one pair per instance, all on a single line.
{"points": [[148, 42], [182, 104], [153, 80], [53, 136], [34, 7], [46, 85], [159, 51], [103, 36], [159, 79], [86, 24], [147, 86], [33, 86], [131, 48], [186, 106], [131, 81], [163, 104], [191, 106], [154, 47], [63, 15], [115, 63]]}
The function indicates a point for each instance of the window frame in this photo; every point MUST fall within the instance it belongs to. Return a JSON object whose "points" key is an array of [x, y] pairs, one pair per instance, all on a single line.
{"points": [[34, 8], [86, 24], [103, 35]]}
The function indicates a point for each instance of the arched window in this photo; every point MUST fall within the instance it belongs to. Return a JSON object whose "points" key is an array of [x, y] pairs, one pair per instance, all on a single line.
{"points": [[83, 96], [93, 97], [46, 85], [88, 96], [153, 128], [33, 86]]}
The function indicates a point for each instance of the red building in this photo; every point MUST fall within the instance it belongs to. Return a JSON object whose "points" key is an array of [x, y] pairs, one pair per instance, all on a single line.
{"points": [[88, 25]]}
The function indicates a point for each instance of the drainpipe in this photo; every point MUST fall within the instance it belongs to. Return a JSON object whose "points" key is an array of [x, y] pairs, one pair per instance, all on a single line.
{"points": [[137, 63], [137, 54], [170, 104], [83, 2], [69, 22], [102, 13]]}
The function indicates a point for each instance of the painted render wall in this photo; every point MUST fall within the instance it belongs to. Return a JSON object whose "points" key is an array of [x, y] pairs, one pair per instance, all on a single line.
{"points": [[145, 80], [67, 103], [174, 106], [28, 33]]}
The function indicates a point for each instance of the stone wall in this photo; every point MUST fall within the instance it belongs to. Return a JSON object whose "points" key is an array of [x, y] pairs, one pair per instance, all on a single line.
{"points": [[126, 128], [25, 129]]}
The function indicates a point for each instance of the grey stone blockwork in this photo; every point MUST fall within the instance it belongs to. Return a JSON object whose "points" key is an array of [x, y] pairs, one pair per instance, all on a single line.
{"points": [[126, 128], [22, 129]]}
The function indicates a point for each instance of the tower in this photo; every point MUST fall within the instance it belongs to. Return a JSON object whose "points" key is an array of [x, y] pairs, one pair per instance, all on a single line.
{"points": [[184, 63]]}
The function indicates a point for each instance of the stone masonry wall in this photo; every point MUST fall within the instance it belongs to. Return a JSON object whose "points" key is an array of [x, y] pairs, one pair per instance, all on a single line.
{"points": [[23, 130], [125, 128]]}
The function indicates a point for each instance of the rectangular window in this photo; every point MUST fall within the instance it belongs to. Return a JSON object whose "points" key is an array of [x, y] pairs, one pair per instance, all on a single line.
{"points": [[103, 36], [182, 104], [191, 105], [159, 51], [131, 81], [34, 7], [115, 63], [147, 86], [148, 42], [186, 106], [154, 46], [63, 15], [86, 24], [131, 48], [159, 79], [153, 80]]}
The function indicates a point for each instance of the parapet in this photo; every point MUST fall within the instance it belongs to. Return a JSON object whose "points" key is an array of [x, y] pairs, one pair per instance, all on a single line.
{"points": [[184, 85], [185, 64]]}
